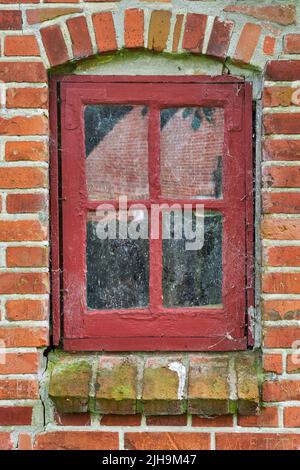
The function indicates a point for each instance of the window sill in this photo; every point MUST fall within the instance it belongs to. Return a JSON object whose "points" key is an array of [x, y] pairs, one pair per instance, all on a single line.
{"points": [[200, 384]]}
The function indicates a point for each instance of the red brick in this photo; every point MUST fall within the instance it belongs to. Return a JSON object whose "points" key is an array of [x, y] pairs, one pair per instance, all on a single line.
{"points": [[281, 176], [281, 149], [277, 96], [80, 37], [292, 44], [272, 363], [134, 28], [22, 177], [10, 20], [20, 363], [19, 1], [179, 420], [121, 420], [18, 230], [72, 419], [38, 15], [257, 441], [24, 125], [218, 421], [281, 310], [282, 256], [293, 361], [167, 441], [77, 440], [247, 43], [15, 337], [291, 417], [21, 45], [220, 38], [5, 441], [105, 31], [27, 309], [281, 283], [280, 228], [25, 441], [19, 256], [25, 203], [284, 390], [23, 283], [278, 70], [177, 32], [61, 1], [18, 389], [281, 14], [281, 203], [54, 44], [282, 123], [27, 98], [15, 415], [269, 45], [268, 418], [19, 151], [194, 32], [23, 72]]}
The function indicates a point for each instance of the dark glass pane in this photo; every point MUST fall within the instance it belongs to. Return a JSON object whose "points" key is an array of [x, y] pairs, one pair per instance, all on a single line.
{"points": [[191, 150], [194, 277], [116, 146], [117, 270]]}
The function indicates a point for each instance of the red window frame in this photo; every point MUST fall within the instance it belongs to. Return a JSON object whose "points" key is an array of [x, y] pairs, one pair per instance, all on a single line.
{"points": [[155, 327]]}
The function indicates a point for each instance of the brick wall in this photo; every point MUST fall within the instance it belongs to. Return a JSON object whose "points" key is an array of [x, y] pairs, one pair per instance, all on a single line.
{"points": [[36, 36]]}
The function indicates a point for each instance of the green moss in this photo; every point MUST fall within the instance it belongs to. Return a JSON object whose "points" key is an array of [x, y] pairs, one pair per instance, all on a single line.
{"points": [[244, 70], [123, 55], [160, 383], [67, 68], [58, 358], [233, 407], [139, 407], [203, 63], [121, 392], [77, 366]]}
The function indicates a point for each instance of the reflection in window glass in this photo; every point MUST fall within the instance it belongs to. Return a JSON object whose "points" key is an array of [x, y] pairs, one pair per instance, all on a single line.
{"points": [[194, 277], [191, 150], [116, 146], [117, 269]]}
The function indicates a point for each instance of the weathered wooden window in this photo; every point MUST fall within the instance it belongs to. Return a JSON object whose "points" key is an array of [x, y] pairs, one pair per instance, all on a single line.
{"points": [[178, 149]]}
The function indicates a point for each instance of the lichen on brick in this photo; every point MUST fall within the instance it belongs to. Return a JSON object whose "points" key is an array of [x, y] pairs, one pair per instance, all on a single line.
{"points": [[69, 385], [161, 388], [209, 391], [248, 376], [116, 386]]}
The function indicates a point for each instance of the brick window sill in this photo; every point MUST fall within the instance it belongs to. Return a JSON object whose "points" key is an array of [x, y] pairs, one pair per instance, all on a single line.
{"points": [[200, 384]]}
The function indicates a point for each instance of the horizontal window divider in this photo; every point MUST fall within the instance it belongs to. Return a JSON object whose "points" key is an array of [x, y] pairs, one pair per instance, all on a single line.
{"points": [[160, 311], [207, 203]]}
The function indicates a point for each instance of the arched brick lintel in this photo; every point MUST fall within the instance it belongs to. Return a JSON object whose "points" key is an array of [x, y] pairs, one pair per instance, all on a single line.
{"points": [[78, 34]]}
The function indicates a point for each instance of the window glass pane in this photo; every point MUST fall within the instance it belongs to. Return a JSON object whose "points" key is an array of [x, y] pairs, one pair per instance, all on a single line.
{"points": [[191, 150], [193, 277], [116, 146], [117, 269]]}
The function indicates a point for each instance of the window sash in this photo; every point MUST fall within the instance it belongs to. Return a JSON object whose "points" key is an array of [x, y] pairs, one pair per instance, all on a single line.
{"points": [[191, 328]]}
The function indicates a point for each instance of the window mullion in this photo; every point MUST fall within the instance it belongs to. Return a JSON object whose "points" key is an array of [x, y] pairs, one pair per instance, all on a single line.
{"points": [[155, 245]]}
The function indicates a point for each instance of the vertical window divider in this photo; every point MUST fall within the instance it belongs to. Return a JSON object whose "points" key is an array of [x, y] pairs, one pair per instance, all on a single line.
{"points": [[155, 243]]}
